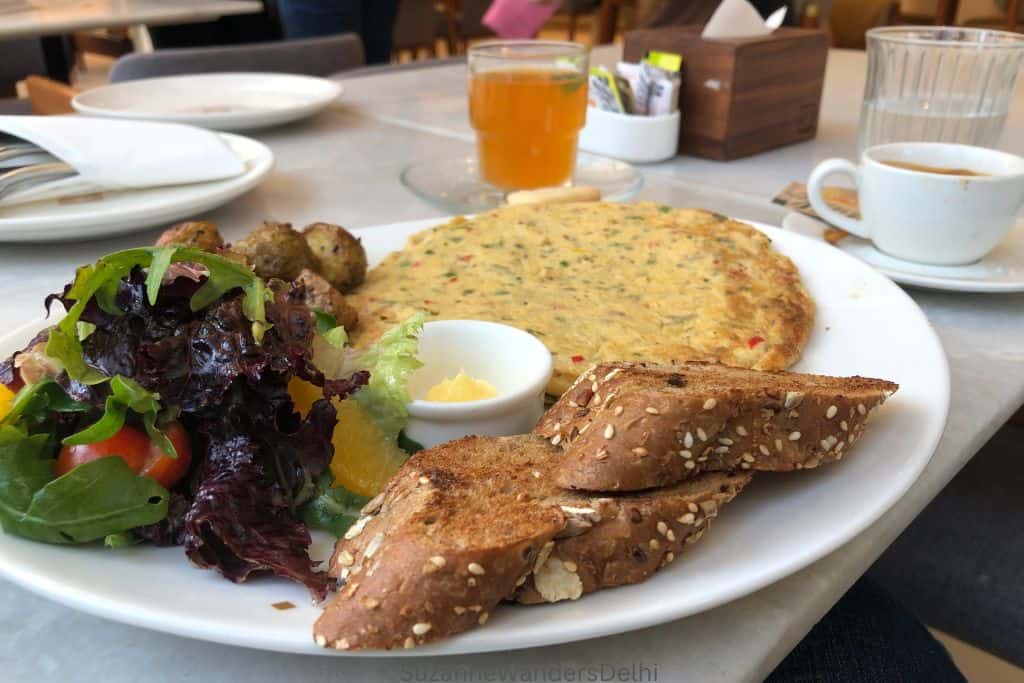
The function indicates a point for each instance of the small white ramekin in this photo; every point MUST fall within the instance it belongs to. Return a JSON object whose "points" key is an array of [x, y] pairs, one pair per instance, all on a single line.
{"points": [[515, 363], [636, 139]]}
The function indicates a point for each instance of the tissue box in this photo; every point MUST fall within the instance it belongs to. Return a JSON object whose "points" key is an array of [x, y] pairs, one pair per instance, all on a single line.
{"points": [[741, 96]]}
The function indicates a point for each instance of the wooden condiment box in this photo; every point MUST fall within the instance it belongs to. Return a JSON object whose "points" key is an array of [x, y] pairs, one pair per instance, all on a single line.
{"points": [[742, 96]]}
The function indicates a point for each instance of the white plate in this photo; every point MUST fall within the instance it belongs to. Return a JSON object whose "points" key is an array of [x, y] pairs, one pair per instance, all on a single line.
{"points": [[1002, 270], [115, 213], [222, 101], [865, 325]]}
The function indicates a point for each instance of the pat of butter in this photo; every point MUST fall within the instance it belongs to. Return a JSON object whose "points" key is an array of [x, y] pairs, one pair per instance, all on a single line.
{"points": [[461, 388]]}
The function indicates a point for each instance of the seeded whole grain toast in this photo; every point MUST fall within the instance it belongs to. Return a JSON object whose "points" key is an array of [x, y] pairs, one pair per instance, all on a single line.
{"points": [[468, 524], [632, 426]]}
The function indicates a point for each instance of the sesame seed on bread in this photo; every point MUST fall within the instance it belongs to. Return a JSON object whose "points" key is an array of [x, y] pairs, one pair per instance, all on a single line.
{"points": [[633, 426], [630, 536], [470, 523]]}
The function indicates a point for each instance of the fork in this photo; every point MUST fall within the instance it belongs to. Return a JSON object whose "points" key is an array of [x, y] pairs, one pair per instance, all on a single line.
{"points": [[15, 150], [29, 176]]}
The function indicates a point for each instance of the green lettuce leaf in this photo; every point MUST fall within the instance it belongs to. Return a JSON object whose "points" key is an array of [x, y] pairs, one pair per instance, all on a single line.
{"points": [[333, 509], [329, 330], [390, 361]]}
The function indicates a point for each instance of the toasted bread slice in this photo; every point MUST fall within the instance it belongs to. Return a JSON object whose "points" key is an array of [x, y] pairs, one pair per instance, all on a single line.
{"points": [[633, 426], [470, 523]]}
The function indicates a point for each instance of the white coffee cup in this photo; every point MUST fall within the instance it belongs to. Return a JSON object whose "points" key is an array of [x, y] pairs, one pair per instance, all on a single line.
{"points": [[925, 216]]}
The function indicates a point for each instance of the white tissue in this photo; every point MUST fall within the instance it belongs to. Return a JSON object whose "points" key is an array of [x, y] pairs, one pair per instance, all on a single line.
{"points": [[739, 19]]}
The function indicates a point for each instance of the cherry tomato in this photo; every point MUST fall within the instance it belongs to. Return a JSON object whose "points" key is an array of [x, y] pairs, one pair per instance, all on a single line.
{"points": [[162, 467], [142, 455], [129, 444]]}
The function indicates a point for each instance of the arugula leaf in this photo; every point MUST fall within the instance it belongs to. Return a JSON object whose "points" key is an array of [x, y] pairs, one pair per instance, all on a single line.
{"points": [[92, 501], [125, 394], [328, 328], [390, 361], [157, 269], [24, 469], [100, 281], [333, 509], [34, 402]]}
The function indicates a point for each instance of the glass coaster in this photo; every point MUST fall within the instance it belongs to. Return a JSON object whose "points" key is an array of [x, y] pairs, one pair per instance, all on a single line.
{"points": [[455, 184]]}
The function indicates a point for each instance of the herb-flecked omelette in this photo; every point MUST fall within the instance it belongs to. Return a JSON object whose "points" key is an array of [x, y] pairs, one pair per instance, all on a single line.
{"points": [[600, 282]]}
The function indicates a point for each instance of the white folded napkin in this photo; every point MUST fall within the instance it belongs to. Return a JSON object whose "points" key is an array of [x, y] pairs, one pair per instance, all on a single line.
{"points": [[114, 155], [739, 19]]}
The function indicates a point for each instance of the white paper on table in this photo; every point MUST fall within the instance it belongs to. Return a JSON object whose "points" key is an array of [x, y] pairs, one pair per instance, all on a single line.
{"points": [[739, 19]]}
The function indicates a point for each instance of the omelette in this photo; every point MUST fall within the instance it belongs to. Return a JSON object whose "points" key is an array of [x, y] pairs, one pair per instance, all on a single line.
{"points": [[601, 282]]}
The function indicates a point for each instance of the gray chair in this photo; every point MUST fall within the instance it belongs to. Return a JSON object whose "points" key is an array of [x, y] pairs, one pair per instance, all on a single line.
{"points": [[19, 57], [309, 56], [960, 566]]}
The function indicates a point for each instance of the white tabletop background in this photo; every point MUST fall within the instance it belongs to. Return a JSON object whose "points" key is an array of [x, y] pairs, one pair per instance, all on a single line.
{"points": [[343, 167]]}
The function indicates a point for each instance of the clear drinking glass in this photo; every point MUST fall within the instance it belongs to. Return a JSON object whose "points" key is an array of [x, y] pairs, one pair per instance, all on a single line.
{"points": [[527, 102], [938, 84]]}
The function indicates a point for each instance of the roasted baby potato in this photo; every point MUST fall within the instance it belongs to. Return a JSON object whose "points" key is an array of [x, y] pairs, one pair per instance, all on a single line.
{"points": [[198, 234], [337, 255], [275, 250], [321, 296]]}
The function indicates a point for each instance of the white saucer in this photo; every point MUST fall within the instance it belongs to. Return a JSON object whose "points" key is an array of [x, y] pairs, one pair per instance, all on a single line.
{"points": [[221, 101], [116, 213], [1002, 270], [455, 184]]}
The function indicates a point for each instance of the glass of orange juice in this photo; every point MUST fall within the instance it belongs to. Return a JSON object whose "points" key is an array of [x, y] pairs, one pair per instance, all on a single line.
{"points": [[527, 102]]}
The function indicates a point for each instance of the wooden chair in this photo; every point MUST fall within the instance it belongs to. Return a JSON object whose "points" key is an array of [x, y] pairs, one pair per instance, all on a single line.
{"points": [[608, 20], [1009, 21], [575, 9], [109, 42], [48, 97], [946, 12], [850, 19], [418, 26]]}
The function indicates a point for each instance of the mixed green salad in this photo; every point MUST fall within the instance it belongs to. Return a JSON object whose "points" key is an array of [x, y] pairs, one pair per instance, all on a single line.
{"points": [[182, 400]]}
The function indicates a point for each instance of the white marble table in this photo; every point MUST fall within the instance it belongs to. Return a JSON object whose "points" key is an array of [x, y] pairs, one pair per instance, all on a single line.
{"points": [[343, 167], [52, 17]]}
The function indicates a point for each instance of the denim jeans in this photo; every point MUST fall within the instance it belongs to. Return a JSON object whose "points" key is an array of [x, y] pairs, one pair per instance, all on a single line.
{"points": [[373, 20], [867, 638]]}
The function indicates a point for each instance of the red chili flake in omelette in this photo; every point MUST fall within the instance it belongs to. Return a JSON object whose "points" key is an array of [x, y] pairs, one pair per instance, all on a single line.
{"points": [[466, 257], [454, 279], [754, 341], [577, 359]]}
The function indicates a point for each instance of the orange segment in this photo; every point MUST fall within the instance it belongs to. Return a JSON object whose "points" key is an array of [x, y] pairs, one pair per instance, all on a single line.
{"points": [[6, 398], [363, 459]]}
